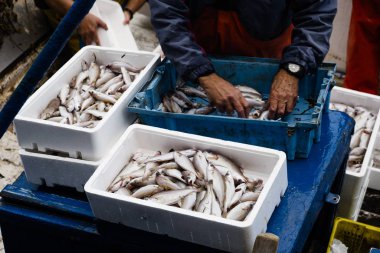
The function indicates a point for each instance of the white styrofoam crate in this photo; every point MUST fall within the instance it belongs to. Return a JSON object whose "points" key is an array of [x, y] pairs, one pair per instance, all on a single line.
{"points": [[355, 181], [212, 231], [374, 178], [88, 143], [50, 170], [118, 34]]}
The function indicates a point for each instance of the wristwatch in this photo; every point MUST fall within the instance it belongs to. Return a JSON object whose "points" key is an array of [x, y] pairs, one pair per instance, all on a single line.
{"points": [[294, 69]]}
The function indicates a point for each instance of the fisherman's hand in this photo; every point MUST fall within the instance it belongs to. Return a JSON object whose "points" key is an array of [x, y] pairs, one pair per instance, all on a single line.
{"points": [[127, 17], [283, 95], [88, 29], [224, 95]]}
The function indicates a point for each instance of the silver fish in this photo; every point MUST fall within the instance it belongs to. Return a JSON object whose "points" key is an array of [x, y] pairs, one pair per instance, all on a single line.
{"points": [[361, 120], [340, 107], [70, 105], [147, 191], [78, 100], [215, 208], [105, 78], [93, 73], [189, 201], [63, 94], [250, 196], [102, 97], [55, 119], [150, 168], [206, 203], [96, 113], [200, 196], [248, 90], [101, 107], [175, 174], [180, 102], [184, 162], [181, 185], [50, 109], [239, 191], [116, 67], [175, 107], [126, 76], [167, 104], [103, 88], [219, 160], [80, 79], [350, 111], [364, 138], [112, 90], [264, 115], [84, 117], [180, 95], [230, 191], [171, 197], [165, 182], [255, 102], [200, 164], [370, 122], [240, 211], [124, 191], [140, 182], [189, 176], [358, 151], [169, 165], [219, 187], [355, 139], [190, 91], [204, 110]]}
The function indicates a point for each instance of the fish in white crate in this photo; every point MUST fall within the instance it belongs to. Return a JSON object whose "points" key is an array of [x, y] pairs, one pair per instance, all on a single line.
{"points": [[364, 123], [189, 179], [90, 94]]}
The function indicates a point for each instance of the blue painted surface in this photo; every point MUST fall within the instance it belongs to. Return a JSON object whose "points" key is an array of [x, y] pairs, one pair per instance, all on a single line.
{"points": [[294, 134], [309, 181]]}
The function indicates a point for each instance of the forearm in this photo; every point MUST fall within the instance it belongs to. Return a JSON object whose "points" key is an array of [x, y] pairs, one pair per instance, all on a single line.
{"points": [[135, 5], [60, 6], [312, 21]]}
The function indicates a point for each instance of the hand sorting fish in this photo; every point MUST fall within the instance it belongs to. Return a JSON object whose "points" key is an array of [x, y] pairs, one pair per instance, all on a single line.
{"points": [[190, 100], [91, 94], [191, 179], [364, 123]]}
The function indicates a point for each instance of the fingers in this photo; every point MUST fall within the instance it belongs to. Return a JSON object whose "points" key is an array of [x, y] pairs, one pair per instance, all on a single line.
{"points": [[291, 105], [281, 107], [96, 39], [237, 104], [102, 24], [272, 108]]}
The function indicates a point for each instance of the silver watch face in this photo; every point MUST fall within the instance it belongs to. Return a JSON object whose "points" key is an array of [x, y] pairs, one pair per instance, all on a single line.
{"points": [[294, 68]]}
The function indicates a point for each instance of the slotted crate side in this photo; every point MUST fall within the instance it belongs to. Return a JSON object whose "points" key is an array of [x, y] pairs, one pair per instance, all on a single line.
{"points": [[374, 179], [295, 138]]}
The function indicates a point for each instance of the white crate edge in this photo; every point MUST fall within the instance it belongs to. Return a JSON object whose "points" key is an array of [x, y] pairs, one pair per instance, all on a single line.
{"points": [[118, 34], [66, 138], [49, 170], [99, 198], [374, 178]]}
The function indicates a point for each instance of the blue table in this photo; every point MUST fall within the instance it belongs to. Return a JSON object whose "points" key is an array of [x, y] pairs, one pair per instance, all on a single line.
{"points": [[59, 220]]}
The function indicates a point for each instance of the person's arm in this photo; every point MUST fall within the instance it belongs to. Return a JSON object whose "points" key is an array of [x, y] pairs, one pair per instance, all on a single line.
{"points": [[312, 20], [87, 29], [171, 22], [131, 7]]}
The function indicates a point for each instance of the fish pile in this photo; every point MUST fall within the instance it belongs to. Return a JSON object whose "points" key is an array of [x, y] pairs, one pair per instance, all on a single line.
{"points": [[191, 179], [364, 123], [91, 94], [184, 100]]}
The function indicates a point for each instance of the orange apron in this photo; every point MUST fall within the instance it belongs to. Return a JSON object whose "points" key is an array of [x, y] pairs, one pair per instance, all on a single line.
{"points": [[363, 52], [221, 32]]}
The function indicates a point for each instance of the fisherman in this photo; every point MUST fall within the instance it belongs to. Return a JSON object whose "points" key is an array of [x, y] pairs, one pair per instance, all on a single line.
{"points": [[87, 30], [295, 31]]}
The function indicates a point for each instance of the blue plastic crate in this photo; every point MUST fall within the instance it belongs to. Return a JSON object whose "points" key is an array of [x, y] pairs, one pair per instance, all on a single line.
{"points": [[294, 134]]}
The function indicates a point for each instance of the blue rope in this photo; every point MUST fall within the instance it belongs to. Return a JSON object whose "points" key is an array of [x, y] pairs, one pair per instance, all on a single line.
{"points": [[43, 62]]}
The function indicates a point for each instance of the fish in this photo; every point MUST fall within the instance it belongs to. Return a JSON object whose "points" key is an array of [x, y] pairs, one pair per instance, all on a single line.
{"points": [[174, 106], [102, 97], [140, 182], [165, 182], [229, 191], [358, 151], [117, 65], [189, 201], [126, 76], [219, 160], [167, 104], [96, 113], [364, 138], [184, 162], [123, 191], [169, 165], [180, 95], [340, 107], [239, 191], [206, 203], [189, 176], [248, 90], [264, 115], [64, 93], [204, 110], [175, 174], [93, 73], [113, 88], [240, 211], [105, 78], [215, 207], [103, 88], [370, 122], [200, 164], [48, 112], [255, 102], [56, 119], [147, 191], [355, 139], [190, 91], [219, 186], [78, 100], [200, 196], [361, 120], [170, 197], [250, 196], [150, 168], [80, 79], [179, 102]]}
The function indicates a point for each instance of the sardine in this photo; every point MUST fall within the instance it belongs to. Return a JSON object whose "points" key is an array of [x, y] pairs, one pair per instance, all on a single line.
{"points": [[169, 165], [358, 151], [361, 120], [116, 67], [248, 90], [250, 196], [200, 196], [102, 97], [147, 191], [255, 102], [204, 110], [80, 79], [229, 192], [175, 174], [103, 88], [219, 187], [206, 203], [219, 160], [175, 107], [126, 76], [355, 139], [167, 104], [184, 162], [140, 182], [55, 119], [370, 122], [189, 201], [171, 197], [48, 112], [364, 138], [239, 191], [105, 78], [200, 164], [240, 211], [180, 95], [150, 168], [215, 208], [165, 182], [112, 90], [189, 176], [63, 94], [97, 113], [190, 91], [124, 191], [93, 73]]}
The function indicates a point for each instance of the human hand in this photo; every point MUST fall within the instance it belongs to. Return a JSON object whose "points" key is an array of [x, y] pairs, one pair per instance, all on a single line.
{"points": [[127, 17], [224, 95], [88, 29], [283, 95]]}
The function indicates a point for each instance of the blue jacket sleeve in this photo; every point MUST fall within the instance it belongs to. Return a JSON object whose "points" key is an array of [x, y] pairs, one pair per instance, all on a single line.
{"points": [[170, 19], [312, 20]]}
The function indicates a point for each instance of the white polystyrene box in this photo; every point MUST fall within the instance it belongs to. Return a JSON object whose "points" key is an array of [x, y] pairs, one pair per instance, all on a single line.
{"points": [[50, 170], [354, 183], [118, 34], [374, 179], [212, 231], [88, 143]]}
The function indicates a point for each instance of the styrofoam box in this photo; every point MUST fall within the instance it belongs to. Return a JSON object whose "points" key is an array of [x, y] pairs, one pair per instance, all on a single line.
{"points": [[212, 231], [118, 34], [374, 178], [88, 143], [49, 170], [353, 184]]}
